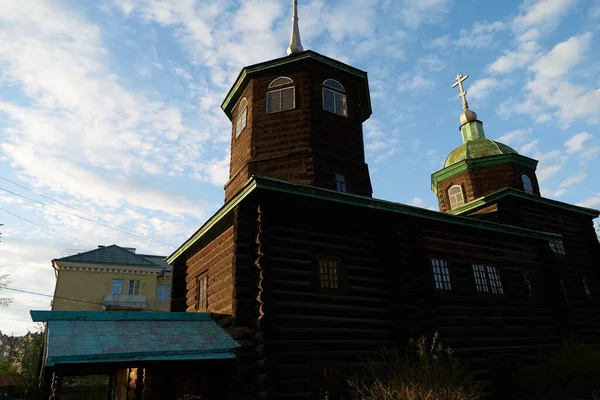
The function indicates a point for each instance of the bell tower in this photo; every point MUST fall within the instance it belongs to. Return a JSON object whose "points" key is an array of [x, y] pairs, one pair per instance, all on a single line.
{"points": [[480, 166], [299, 118]]}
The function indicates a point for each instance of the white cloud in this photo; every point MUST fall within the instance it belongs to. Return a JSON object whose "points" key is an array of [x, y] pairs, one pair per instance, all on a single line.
{"points": [[515, 137], [416, 13], [592, 202], [577, 177], [417, 202], [482, 88], [409, 82], [576, 143], [541, 15], [529, 147], [515, 59]]}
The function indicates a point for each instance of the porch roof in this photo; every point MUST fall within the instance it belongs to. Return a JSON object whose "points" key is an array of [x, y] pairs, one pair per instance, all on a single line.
{"points": [[119, 337]]}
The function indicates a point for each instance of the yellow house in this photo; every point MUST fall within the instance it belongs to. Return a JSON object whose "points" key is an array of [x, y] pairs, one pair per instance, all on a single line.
{"points": [[112, 278]]}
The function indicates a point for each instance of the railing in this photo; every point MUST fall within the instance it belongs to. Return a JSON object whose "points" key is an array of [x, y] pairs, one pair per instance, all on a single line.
{"points": [[136, 301]]}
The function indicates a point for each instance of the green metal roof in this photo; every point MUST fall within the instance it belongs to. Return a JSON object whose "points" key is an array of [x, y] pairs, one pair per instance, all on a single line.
{"points": [[116, 255], [270, 66], [223, 218], [477, 148], [103, 336], [506, 192]]}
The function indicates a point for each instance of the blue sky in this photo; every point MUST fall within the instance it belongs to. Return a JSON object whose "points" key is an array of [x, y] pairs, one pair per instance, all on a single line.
{"points": [[112, 107]]}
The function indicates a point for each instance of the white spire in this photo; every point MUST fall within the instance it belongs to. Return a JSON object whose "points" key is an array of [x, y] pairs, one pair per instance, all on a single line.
{"points": [[295, 44]]}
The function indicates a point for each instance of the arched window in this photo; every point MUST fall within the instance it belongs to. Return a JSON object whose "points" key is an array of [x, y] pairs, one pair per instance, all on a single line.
{"points": [[334, 97], [456, 196], [240, 123], [527, 185], [281, 99]]}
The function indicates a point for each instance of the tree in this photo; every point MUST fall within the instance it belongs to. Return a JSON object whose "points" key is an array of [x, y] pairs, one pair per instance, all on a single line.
{"points": [[4, 300], [427, 370]]}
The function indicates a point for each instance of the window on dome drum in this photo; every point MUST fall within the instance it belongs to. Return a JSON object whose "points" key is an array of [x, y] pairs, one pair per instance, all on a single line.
{"points": [[134, 288], [329, 274], [281, 99], [329, 379], [487, 279], [455, 194], [441, 274], [586, 288], [242, 117], [527, 185], [334, 97], [117, 286], [163, 293], [201, 293], [527, 276], [340, 183], [557, 247]]}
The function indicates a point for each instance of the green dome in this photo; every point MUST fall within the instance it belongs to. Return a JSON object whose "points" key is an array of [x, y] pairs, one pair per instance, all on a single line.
{"points": [[477, 148]]}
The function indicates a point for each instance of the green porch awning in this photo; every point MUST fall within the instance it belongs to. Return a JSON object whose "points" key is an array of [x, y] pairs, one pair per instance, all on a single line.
{"points": [[121, 337]]}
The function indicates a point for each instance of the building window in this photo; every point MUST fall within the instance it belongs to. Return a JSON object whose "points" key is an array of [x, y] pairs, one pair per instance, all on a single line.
{"points": [[281, 99], [457, 199], [329, 380], [163, 292], [334, 97], [117, 286], [134, 288], [487, 279], [527, 185], [557, 247], [441, 274], [201, 293], [328, 274], [527, 276], [242, 117], [586, 288], [340, 183]]}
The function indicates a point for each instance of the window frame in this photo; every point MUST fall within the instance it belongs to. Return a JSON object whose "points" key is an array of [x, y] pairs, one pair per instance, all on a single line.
{"points": [[557, 247], [528, 185], [242, 114], [341, 274], [487, 278], [270, 92], [322, 385], [122, 286], [136, 285], [336, 91], [528, 281], [158, 292], [201, 296], [340, 184], [446, 266], [274, 85], [462, 194]]}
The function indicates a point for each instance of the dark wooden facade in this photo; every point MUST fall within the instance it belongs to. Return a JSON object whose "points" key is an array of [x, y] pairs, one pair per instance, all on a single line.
{"points": [[264, 259]]}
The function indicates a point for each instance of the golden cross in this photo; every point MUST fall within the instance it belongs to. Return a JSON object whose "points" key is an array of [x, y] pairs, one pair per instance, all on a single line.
{"points": [[459, 80]]}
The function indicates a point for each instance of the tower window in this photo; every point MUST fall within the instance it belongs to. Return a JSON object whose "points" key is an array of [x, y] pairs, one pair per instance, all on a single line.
{"points": [[283, 80], [441, 274], [457, 199], [557, 247], [334, 97], [487, 279], [201, 293], [340, 183], [329, 379], [329, 274], [281, 100], [527, 185], [242, 117]]}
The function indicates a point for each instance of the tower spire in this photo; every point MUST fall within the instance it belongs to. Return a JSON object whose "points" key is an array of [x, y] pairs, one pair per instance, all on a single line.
{"points": [[295, 44], [467, 115]]}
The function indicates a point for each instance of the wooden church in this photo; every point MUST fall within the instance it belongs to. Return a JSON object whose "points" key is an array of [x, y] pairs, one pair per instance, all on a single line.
{"points": [[309, 273]]}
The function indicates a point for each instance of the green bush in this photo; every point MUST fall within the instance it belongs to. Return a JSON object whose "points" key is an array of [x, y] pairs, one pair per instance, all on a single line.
{"points": [[571, 371], [425, 371]]}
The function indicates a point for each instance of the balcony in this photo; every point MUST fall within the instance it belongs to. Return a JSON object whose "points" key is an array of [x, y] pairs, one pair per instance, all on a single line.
{"points": [[127, 301]]}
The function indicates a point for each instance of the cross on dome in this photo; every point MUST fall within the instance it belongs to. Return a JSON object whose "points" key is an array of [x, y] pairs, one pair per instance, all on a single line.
{"points": [[467, 115]]}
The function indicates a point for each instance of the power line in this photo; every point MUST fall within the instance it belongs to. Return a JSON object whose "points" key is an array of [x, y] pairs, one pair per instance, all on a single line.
{"points": [[83, 212], [83, 218], [42, 226], [57, 297]]}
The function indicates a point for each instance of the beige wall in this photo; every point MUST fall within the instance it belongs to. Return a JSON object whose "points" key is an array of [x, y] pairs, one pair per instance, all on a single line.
{"points": [[92, 286]]}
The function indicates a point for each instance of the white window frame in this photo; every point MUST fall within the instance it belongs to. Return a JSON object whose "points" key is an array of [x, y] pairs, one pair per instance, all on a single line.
{"points": [[269, 93], [285, 81], [242, 118], [337, 91], [441, 274], [557, 247], [527, 184], [160, 289], [487, 279], [137, 287], [454, 202], [120, 285], [340, 183]]}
